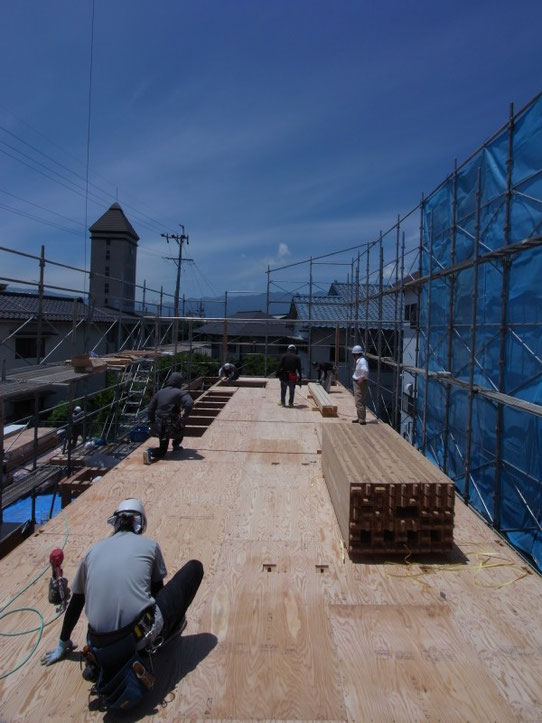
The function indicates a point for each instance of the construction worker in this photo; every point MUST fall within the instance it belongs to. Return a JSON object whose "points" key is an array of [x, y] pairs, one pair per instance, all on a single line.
{"points": [[326, 373], [360, 382], [289, 373], [228, 372], [165, 417], [120, 584], [77, 429]]}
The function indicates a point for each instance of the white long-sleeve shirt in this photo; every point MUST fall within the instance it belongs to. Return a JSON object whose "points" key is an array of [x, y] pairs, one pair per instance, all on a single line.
{"points": [[362, 369]]}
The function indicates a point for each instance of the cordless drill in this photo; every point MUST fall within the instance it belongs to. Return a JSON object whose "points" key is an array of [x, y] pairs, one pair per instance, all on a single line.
{"points": [[59, 592]]}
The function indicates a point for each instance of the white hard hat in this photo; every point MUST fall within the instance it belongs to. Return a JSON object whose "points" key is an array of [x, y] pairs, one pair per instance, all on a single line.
{"points": [[357, 349], [227, 365], [291, 346], [130, 508], [77, 410]]}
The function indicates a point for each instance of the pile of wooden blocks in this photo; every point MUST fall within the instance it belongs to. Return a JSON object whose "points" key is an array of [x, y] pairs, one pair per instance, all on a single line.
{"points": [[388, 497], [322, 400]]}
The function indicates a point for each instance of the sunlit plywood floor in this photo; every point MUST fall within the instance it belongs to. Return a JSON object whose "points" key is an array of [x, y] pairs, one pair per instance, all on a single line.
{"points": [[284, 627]]}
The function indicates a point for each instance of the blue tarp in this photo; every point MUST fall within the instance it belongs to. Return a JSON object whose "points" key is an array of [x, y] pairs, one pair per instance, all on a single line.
{"points": [[518, 509], [21, 511]]}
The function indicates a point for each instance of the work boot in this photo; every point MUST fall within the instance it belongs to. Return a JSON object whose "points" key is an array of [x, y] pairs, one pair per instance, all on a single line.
{"points": [[291, 404], [91, 672]]}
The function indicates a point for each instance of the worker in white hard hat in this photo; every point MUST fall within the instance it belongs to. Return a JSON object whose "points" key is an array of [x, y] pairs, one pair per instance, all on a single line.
{"points": [[360, 383], [77, 429], [228, 372], [120, 584], [289, 373]]}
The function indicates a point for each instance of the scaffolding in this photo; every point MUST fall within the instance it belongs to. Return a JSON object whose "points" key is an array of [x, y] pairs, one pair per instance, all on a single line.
{"points": [[464, 359], [445, 303]]}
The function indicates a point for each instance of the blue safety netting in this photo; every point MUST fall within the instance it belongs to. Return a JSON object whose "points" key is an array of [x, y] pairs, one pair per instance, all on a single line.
{"points": [[508, 494]]}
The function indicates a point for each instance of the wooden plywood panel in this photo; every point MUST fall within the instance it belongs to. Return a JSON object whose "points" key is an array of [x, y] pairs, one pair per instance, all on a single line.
{"points": [[406, 663], [275, 657]]}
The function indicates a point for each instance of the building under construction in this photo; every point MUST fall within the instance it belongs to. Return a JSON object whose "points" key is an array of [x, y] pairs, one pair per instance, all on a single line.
{"points": [[385, 572]]}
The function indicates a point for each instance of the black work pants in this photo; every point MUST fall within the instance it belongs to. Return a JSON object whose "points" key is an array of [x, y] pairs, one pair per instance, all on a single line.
{"points": [[162, 449], [287, 386], [176, 596]]}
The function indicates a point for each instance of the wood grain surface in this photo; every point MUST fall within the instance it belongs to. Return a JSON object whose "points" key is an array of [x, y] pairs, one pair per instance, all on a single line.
{"points": [[285, 626]]}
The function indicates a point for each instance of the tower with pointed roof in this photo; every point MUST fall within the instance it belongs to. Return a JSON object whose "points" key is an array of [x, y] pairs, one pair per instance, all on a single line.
{"points": [[113, 260]]}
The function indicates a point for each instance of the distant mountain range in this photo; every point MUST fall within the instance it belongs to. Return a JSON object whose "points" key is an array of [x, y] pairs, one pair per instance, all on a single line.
{"points": [[214, 306]]}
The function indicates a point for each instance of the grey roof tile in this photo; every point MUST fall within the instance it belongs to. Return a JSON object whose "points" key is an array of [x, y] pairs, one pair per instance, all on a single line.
{"points": [[339, 306], [114, 222], [18, 306]]}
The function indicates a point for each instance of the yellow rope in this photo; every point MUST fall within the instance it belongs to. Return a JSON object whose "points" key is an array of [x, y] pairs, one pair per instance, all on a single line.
{"points": [[486, 561]]}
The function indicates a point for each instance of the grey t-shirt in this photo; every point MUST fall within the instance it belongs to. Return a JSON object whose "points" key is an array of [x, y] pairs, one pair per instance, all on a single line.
{"points": [[115, 578]]}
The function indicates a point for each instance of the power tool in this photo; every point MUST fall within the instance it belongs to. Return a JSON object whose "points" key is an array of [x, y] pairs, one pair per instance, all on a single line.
{"points": [[59, 592]]}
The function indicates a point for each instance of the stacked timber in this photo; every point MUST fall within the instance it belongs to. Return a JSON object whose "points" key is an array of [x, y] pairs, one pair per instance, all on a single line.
{"points": [[322, 400], [388, 498], [88, 364]]}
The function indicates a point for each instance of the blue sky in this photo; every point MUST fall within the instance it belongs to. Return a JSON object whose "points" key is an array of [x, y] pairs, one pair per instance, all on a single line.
{"points": [[273, 130]]}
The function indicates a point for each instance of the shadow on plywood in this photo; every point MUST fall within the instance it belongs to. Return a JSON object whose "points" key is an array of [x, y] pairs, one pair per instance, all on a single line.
{"points": [[178, 658]]}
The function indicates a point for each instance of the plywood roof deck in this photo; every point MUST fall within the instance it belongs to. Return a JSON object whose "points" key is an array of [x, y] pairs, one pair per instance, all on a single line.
{"points": [[284, 626]]}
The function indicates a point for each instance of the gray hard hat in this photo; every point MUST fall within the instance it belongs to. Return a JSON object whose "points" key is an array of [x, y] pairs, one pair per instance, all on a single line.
{"points": [[130, 508]]}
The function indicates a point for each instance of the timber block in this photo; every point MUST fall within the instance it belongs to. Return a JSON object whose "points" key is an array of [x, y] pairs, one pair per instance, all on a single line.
{"points": [[388, 498], [322, 400]]}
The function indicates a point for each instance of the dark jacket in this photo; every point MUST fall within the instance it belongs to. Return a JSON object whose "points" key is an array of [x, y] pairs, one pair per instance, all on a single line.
{"points": [[323, 368], [289, 362], [170, 400]]}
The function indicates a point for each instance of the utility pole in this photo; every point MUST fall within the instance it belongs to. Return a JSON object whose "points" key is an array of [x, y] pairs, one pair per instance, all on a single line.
{"points": [[180, 239]]}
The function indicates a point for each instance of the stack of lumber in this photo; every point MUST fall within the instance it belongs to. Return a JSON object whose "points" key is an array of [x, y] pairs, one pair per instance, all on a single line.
{"points": [[388, 498], [117, 361], [88, 364], [322, 400]]}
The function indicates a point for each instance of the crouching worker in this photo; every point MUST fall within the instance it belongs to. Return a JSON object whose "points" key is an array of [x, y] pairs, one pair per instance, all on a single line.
{"points": [[129, 609], [228, 372], [166, 419]]}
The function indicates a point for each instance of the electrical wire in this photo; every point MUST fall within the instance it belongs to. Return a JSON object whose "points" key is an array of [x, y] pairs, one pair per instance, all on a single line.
{"points": [[42, 624]]}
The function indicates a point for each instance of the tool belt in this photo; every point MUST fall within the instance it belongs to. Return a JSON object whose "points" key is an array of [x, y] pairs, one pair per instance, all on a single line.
{"points": [[170, 427], [123, 678]]}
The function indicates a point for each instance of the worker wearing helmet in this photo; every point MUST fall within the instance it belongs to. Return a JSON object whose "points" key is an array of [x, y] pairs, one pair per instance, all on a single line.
{"points": [[289, 373], [360, 382], [77, 429], [168, 412], [228, 372], [120, 584]]}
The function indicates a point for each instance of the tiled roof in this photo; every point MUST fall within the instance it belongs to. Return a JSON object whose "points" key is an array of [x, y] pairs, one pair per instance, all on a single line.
{"points": [[18, 306], [114, 222], [339, 306]]}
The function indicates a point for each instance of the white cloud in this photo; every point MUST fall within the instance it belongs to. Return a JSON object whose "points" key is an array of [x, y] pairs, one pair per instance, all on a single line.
{"points": [[283, 251]]}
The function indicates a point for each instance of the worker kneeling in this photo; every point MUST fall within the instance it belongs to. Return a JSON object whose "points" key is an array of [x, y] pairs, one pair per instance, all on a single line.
{"points": [[129, 609]]}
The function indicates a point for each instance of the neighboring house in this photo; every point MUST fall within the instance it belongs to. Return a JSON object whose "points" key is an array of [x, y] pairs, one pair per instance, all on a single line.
{"points": [[247, 337], [68, 327]]}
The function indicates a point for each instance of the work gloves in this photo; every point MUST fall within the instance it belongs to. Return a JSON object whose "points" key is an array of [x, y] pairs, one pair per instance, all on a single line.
{"points": [[61, 650]]}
